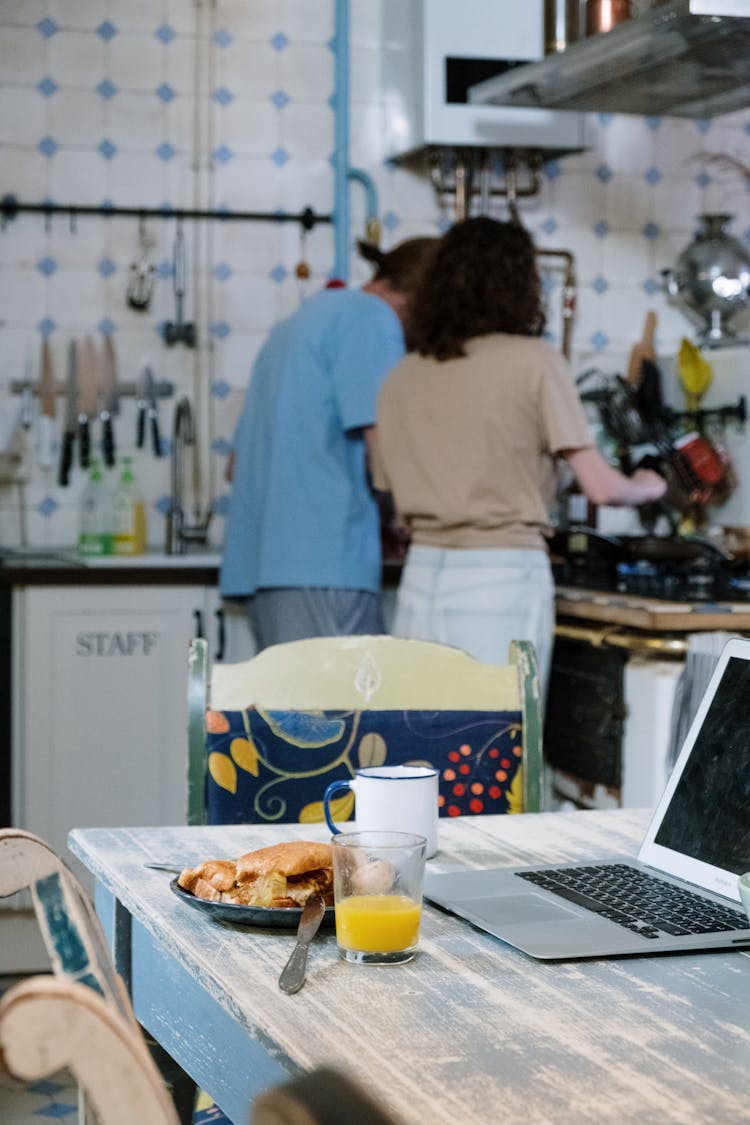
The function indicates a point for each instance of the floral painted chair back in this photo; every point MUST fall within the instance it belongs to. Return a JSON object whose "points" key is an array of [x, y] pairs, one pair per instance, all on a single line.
{"points": [[268, 735]]}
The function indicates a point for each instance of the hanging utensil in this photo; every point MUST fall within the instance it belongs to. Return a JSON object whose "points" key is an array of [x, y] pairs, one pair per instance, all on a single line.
{"points": [[142, 273], [88, 398], [643, 350], [110, 401], [696, 373], [47, 407], [178, 331], [70, 424], [152, 410]]}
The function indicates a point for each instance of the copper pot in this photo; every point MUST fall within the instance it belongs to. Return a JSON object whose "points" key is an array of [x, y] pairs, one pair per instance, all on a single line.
{"points": [[603, 15]]}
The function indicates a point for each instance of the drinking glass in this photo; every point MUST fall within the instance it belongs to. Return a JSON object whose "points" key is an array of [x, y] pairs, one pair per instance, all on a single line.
{"points": [[377, 890]]}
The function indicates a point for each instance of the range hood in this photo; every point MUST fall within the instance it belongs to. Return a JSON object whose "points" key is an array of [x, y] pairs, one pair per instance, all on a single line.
{"points": [[672, 60]]}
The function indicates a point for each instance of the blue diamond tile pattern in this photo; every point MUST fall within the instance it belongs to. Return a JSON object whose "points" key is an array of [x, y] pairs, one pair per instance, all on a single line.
{"points": [[47, 326], [651, 286], [47, 507], [220, 389], [222, 96], [599, 341], [444, 224], [280, 99], [107, 204], [549, 226], [165, 152], [222, 38], [652, 176], [604, 173], [47, 27], [222, 272], [47, 266], [278, 274], [223, 154], [107, 148], [552, 169], [279, 41], [220, 330], [47, 87], [600, 285], [47, 1086], [164, 270], [601, 229], [605, 119], [651, 231], [165, 34], [703, 179], [106, 267], [654, 123], [164, 93], [58, 1110], [280, 157], [106, 30], [163, 505], [106, 326], [704, 126], [106, 89], [391, 221], [47, 146], [222, 446], [220, 507]]}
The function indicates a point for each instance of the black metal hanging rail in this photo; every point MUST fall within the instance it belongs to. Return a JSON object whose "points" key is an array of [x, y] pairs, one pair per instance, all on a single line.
{"points": [[10, 207]]}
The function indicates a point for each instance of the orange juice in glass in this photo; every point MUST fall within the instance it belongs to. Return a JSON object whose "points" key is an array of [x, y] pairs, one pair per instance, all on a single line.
{"points": [[377, 886]]}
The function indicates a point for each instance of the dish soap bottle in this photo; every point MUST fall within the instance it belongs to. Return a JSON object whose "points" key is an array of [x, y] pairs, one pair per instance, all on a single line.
{"points": [[129, 514], [95, 525]]}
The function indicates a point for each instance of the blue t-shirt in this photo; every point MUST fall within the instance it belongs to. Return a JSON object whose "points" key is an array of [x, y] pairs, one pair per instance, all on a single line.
{"points": [[301, 512]]}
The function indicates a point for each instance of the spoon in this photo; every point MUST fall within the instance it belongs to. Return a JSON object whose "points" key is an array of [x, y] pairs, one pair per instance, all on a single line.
{"points": [[293, 974]]}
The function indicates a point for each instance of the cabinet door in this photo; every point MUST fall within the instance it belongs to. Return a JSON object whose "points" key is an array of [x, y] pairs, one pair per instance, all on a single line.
{"points": [[100, 706], [230, 638]]}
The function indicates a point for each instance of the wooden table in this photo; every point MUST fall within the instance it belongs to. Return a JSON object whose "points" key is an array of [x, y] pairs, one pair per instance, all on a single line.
{"points": [[471, 1032]]}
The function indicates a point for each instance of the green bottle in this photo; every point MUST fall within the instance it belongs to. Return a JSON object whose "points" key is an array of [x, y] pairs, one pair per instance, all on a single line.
{"points": [[95, 524], [129, 514]]}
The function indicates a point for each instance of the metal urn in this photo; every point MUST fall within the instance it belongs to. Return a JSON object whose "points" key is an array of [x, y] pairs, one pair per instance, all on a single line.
{"points": [[711, 280]]}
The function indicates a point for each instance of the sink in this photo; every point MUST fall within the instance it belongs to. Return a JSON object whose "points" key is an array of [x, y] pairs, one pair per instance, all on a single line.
{"points": [[68, 556]]}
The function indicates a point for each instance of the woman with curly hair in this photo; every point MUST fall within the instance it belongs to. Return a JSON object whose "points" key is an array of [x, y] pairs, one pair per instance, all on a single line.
{"points": [[470, 426]]}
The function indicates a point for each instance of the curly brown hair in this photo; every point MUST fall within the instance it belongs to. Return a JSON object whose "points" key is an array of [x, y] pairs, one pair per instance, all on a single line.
{"points": [[483, 278], [404, 265]]}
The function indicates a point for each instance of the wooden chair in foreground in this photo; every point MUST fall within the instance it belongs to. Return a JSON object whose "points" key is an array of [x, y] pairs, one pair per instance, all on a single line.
{"points": [[266, 736], [75, 942], [50, 1023]]}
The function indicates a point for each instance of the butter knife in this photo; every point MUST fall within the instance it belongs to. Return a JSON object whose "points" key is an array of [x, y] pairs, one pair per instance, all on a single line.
{"points": [[293, 974]]}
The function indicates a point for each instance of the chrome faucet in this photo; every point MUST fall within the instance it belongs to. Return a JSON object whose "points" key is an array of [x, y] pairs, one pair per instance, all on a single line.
{"points": [[181, 534]]}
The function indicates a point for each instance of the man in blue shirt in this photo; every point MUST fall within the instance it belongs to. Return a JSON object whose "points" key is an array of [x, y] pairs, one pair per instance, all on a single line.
{"points": [[302, 541]]}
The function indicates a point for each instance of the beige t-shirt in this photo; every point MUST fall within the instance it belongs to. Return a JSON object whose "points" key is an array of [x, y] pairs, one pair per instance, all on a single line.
{"points": [[467, 446]]}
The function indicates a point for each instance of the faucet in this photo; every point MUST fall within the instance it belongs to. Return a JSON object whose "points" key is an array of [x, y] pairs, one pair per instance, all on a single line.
{"points": [[180, 534]]}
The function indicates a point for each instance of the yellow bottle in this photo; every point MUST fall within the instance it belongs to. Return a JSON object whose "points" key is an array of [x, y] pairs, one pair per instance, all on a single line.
{"points": [[129, 537]]}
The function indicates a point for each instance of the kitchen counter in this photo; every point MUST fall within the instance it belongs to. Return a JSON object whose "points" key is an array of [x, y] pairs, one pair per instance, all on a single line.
{"points": [[64, 566], [650, 613]]}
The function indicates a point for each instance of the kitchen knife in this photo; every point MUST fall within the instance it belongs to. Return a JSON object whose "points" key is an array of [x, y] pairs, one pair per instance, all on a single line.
{"points": [[110, 401], [153, 414], [70, 424], [293, 974], [47, 406], [88, 395], [141, 408]]}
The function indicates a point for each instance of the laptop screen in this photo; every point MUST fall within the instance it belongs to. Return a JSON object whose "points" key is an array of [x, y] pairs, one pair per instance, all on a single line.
{"points": [[708, 817]]}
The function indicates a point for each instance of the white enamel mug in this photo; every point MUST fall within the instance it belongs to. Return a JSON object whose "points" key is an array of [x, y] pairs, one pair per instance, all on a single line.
{"points": [[391, 799]]}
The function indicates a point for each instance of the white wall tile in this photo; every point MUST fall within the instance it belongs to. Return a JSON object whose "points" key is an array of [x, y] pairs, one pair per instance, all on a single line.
{"points": [[77, 117], [23, 115], [77, 58], [307, 72], [23, 57], [134, 63]]}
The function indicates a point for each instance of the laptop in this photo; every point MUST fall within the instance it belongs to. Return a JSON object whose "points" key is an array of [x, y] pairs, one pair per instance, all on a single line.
{"points": [[680, 893]]}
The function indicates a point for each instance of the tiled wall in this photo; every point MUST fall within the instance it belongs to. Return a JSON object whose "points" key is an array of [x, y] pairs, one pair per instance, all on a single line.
{"points": [[228, 104]]}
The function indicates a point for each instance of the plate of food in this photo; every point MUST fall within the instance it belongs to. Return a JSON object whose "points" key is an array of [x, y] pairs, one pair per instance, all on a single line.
{"points": [[267, 887]]}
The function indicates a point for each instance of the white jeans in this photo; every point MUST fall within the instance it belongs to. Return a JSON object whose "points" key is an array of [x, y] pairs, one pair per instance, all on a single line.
{"points": [[478, 600]]}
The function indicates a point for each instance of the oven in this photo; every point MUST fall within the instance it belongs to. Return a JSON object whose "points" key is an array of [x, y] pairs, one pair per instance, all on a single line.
{"points": [[626, 609]]}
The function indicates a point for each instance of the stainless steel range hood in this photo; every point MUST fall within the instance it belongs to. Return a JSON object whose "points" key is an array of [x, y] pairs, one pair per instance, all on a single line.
{"points": [[668, 61]]}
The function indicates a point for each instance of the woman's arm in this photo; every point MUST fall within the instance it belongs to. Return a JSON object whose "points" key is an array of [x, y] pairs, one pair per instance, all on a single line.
{"points": [[602, 484]]}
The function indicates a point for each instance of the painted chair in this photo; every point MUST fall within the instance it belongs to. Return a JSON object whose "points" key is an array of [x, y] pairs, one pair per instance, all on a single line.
{"points": [[266, 736], [75, 942], [52, 1023]]}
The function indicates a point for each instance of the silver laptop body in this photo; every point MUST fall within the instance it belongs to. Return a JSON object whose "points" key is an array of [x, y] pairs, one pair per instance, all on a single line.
{"points": [[698, 839]]}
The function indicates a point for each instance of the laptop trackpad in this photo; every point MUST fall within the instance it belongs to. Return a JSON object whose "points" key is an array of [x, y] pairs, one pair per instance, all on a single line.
{"points": [[507, 910]]}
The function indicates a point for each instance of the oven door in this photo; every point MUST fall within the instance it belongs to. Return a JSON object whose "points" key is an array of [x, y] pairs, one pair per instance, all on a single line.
{"points": [[608, 720]]}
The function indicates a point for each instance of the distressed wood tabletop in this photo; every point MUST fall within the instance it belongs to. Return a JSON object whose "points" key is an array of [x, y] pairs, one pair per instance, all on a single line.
{"points": [[471, 1032]]}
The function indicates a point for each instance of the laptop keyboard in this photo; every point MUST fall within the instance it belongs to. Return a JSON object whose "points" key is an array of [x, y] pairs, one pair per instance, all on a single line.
{"points": [[643, 903]]}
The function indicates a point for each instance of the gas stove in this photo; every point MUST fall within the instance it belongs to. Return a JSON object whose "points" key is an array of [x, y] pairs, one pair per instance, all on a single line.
{"points": [[681, 569]]}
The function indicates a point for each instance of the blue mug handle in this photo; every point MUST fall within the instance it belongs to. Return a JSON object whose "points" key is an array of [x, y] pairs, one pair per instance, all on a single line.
{"points": [[334, 787]]}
